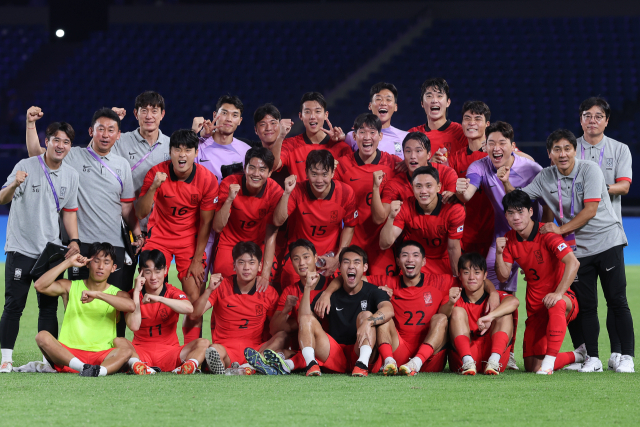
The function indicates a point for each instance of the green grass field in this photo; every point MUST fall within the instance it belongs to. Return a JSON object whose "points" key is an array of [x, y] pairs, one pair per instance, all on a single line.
{"points": [[514, 398]]}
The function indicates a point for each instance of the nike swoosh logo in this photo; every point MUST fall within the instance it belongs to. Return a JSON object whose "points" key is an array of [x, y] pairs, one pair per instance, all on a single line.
{"points": [[203, 160], [169, 197], [299, 161], [143, 318], [231, 306], [491, 186], [608, 269], [351, 179], [306, 213], [339, 309], [133, 154], [554, 191]]}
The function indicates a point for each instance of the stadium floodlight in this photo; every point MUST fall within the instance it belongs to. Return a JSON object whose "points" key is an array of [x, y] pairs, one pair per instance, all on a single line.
{"points": [[60, 33]]}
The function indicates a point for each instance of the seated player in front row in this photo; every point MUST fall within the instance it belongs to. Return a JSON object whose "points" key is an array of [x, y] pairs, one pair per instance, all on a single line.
{"points": [[87, 342], [550, 268], [479, 337]]}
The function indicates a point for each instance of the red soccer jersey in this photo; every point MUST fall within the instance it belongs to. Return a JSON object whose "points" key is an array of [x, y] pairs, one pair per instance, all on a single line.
{"points": [[296, 149], [238, 316], [297, 289], [158, 325], [249, 215], [540, 257], [476, 310], [177, 204], [320, 221], [399, 187], [450, 135]]}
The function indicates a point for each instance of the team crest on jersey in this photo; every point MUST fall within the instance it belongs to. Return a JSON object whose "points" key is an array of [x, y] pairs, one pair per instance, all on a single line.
{"points": [[579, 187], [166, 156], [262, 213], [194, 199], [164, 313], [609, 162], [460, 229], [334, 216], [17, 274], [562, 247], [75, 270], [441, 230], [538, 256], [364, 305], [259, 309], [428, 299], [63, 191]]}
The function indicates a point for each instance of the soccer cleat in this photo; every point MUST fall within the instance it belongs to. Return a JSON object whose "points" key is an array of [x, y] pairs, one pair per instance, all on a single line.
{"points": [[544, 371], [511, 364], [409, 369], [390, 367], [141, 368], [90, 370], [360, 370], [216, 366], [469, 368], [6, 367], [614, 361], [258, 362], [626, 365], [592, 364], [492, 368], [188, 367], [276, 362], [573, 367], [313, 370]]}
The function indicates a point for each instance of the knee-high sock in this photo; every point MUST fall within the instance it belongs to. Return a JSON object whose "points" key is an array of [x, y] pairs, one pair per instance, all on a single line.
{"points": [[499, 342], [563, 359], [556, 328], [463, 345]]}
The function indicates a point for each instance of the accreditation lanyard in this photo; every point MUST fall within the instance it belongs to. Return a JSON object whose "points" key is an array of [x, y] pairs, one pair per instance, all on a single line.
{"points": [[601, 154], [53, 190], [95, 156], [134, 167], [570, 238]]}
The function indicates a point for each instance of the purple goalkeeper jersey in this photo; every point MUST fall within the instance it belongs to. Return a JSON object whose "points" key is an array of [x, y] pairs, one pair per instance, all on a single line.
{"points": [[213, 156]]}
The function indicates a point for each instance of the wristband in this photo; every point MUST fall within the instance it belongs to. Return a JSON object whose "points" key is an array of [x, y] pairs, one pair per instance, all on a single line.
{"points": [[607, 187], [75, 240]]}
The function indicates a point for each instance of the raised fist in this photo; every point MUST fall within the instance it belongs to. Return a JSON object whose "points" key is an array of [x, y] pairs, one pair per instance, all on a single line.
{"points": [[289, 184], [285, 127], [501, 242], [33, 114], [215, 280], [196, 124], [462, 184], [234, 189], [503, 173], [21, 176], [454, 294], [378, 178], [159, 179], [121, 112], [395, 208]]}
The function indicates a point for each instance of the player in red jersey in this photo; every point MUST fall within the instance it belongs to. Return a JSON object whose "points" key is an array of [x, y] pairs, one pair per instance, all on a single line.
{"points": [[550, 267], [470, 322], [293, 152], [416, 147], [182, 216], [356, 170], [425, 218], [240, 314], [154, 321], [318, 207], [252, 197]]}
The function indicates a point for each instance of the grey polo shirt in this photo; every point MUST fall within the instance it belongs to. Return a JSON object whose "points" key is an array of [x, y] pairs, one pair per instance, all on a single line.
{"points": [[100, 195], [616, 163], [33, 219], [601, 232]]}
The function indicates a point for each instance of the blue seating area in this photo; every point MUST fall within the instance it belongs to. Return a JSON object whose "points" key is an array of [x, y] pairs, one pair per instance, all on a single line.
{"points": [[17, 44]]}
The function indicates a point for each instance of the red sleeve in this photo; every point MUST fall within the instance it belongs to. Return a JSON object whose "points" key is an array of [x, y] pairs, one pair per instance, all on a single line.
{"points": [[210, 194], [389, 193], [295, 198], [283, 298], [506, 254], [175, 293], [455, 226], [148, 180], [70, 210], [556, 245], [378, 280], [592, 200], [272, 301], [339, 173], [214, 295], [623, 178], [275, 196], [285, 153], [448, 179], [402, 217], [445, 299], [223, 193], [351, 211]]}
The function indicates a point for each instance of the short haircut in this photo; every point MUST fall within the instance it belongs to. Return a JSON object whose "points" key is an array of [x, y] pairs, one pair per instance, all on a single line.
{"points": [[438, 83], [261, 153], [426, 170], [314, 96], [56, 127], [149, 99], [594, 101], [230, 99], [302, 243], [477, 107], [419, 136], [369, 120], [105, 112], [266, 110], [474, 259], [155, 256], [559, 134], [242, 248], [379, 87], [356, 250], [517, 199], [184, 137], [406, 243], [324, 158], [504, 128], [102, 248]]}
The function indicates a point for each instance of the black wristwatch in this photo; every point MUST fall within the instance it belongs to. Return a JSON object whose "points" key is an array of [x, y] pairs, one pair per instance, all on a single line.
{"points": [[607, 187], [75, 240]]}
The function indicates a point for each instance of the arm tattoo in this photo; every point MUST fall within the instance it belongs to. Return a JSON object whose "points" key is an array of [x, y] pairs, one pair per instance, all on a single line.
{"points": [[377, 318]]}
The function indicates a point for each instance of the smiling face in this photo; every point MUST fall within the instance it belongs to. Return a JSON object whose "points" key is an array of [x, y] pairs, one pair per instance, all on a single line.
{"points": [[154, 277], [415, 155], [58, 146], [519, 218], [182, 158], [425, 189], [149, 117], [256, 173], [105, 133], [383, 104], [228, 117], [100, 267], [474, 125], [352, 268], [313, 116], [594, 121], [303, 261], [247, 267], [411, 261], [499, 149], [435, 104], [319, 178], [368, 139], [472, 278], [563, 155], [267, 129]]}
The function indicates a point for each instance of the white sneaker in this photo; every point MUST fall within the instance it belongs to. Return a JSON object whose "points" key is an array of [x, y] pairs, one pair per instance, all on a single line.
{"points": [[6, 367], [626, 365], [511, 364], [614, 361], [390, 367], [593, 364]]}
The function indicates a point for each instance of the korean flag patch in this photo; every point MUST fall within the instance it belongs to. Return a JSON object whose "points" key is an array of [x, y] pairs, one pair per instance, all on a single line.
{"points": [[562, 247], [355, 214], [460, 229]]}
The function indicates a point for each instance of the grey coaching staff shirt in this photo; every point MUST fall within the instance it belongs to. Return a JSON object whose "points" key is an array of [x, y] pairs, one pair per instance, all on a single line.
{"points": [[601, 232], [33, 219]]}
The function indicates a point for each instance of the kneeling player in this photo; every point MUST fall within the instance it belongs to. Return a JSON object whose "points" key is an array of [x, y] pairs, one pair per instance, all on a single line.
{"points": [[239, 313], [479, 339], [87, 342], [154, 321], [550, 268]]}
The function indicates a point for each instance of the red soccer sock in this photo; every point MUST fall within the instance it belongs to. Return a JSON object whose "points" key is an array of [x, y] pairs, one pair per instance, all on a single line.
{"points": [[499, 342], [563, 359], [425, 352], [298, 361], [191, 334], [556, 328], [463, 345], [385, 350]]}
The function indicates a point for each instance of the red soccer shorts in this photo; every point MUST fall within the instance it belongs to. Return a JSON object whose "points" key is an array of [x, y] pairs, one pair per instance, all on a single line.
{"points": [[223, 263], [87, 357], [437, 266], [183, 255], [165, 357], [535, 333], [342, 358], [407, 349], [480, 351]]}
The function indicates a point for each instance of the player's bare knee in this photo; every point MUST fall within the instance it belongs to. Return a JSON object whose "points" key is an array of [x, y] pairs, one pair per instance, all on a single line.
{"points": [[305, 320], [43, 338], [439, 320], [458, 314], [363, 316]]}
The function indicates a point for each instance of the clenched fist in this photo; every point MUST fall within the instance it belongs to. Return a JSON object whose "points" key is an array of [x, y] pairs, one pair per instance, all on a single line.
{"points": [[285, 128], [121, 112], [501, 242], [454, 294], [21, 176], [234, 189], [378, 178], [33, 114], [289, 184], [395, 208], [158, 180], [503, 173], [462, 184]]}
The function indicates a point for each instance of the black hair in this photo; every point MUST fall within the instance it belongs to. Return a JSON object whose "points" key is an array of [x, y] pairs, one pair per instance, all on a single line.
{"points": [[56, 127], [266, 110], [324, 158], [302, 243], [477, 107], [517, 199], [105, 248], [426, 170], [438, 83], [379, 87], [594, 101], [474, 259], [559, 134], [261, 153], [356, 250], [369, 120], [503, 127], [230, 99], [149, 98], [419, 136], [406, 243], [184, 137], [242, 248], [155, 256], [105, 112], [314, 96]]}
